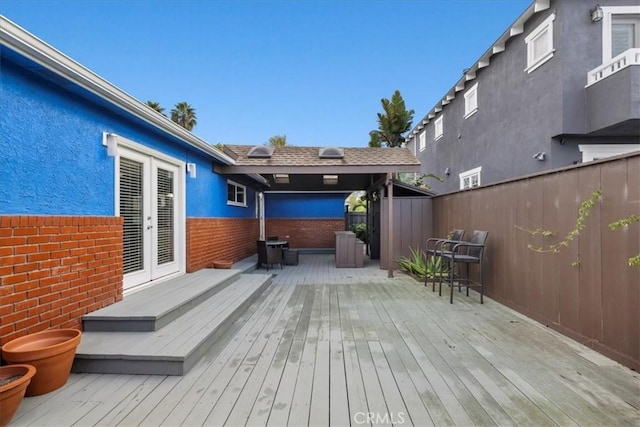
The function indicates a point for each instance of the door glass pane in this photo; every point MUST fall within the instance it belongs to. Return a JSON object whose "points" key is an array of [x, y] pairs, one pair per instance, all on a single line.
{"points": [[131, 210], [165, 216]]}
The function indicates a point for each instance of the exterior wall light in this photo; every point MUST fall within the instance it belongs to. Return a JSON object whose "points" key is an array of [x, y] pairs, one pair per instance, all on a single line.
{"points": [[540, 155], [596, 14], [281, 178], [110, 140], [191, 170], [330, 179]]}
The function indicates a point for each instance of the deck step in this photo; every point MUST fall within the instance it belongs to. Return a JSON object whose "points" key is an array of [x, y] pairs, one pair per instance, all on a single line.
{"points": [[152, 308], [175, 348]]}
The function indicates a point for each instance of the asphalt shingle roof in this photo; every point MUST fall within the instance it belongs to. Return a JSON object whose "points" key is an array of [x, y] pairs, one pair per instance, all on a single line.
{"points": [[309, 156]]}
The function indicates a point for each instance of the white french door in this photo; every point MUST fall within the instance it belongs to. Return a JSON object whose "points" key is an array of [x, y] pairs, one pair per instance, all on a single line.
{"points": [[150, 203]]}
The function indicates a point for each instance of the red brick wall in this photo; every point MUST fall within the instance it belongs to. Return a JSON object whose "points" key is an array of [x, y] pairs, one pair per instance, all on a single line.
{"points": [[213, 239], [305, 233], [55, 269]]}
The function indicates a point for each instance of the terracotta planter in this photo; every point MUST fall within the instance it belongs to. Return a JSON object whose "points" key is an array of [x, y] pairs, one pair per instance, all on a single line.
{"points": [[223, 264], [11, 394], [50, 352]]}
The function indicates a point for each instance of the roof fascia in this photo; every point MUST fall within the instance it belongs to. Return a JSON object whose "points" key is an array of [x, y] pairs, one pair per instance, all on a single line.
{"points": [[43, 54], [313, 170]]}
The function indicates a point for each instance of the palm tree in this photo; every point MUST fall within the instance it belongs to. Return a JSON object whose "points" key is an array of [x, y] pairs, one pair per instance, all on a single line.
{"points": [[156, 106], [395, 121], [184, 115], [278, 140]]}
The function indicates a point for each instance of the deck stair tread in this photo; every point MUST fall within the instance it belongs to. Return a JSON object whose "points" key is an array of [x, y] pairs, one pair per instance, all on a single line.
{"points": [[152, 308], [173, 349]]}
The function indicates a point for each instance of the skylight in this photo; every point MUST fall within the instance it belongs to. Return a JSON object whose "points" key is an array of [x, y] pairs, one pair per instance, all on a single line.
{"points": [[261, 152], [331, 153]]}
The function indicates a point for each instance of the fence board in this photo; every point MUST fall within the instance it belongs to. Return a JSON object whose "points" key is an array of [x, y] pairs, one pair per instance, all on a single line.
{"points": [[597, 302]]}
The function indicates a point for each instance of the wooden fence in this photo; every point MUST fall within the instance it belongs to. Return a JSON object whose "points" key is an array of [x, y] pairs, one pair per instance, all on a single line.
{"points": [[586, 291]]}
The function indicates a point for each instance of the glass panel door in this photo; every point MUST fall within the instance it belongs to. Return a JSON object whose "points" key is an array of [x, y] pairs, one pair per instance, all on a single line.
{"points": [[131, 195], [134, 197], [149, 200], [165, 219]]}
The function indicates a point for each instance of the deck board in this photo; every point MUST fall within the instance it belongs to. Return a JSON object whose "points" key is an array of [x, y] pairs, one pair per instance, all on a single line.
{"points": [[327, 346]]}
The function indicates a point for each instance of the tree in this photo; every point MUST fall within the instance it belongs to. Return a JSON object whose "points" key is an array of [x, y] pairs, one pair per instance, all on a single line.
{"points": [[156, 106], [374, 140], [184, 115], [357, 201], [395, 121], [278, 140]]}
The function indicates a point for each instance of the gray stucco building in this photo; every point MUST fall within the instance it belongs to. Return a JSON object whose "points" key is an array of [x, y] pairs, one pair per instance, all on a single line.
{"points": [[560, 86]]}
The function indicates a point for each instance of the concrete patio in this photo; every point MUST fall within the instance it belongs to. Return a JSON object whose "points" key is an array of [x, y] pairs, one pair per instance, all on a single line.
{"points": [[327, 346]]}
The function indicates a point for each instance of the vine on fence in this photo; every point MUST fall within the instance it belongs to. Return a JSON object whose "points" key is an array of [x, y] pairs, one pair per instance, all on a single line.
{"points": [[583, 214], [625, 222]]}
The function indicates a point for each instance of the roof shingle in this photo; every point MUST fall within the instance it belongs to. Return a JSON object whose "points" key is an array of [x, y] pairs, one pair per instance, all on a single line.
{"points": [[309, 156]]}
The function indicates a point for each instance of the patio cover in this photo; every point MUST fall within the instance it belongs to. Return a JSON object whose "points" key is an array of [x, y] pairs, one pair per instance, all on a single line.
{"points": [[304, 168]]}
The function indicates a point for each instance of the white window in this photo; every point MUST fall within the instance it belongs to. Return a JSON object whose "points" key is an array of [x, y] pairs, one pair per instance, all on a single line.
{"points": [[423, 140], [471, 101], [620, 30], [438, 127], [470, 178], [540, 44], [591, 152], [236, 194]]}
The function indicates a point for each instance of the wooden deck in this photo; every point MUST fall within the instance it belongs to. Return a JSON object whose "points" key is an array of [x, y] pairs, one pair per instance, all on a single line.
{"points": [[327, 346]]}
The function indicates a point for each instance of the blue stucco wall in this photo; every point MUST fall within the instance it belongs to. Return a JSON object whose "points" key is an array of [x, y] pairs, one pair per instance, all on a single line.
{"points": [[304, 205], [52, 161]]}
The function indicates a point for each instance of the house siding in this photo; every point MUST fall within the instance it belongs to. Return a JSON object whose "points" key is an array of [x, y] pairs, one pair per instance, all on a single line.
{"points": [[306, 233], [215, 239], [520, 113], [53, 161], [61, 242], [306, 220], [305, 205], [54, 269]]}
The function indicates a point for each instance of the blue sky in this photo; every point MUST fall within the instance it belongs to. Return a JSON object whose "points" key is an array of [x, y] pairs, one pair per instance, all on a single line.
{"points": [[313, 70]]}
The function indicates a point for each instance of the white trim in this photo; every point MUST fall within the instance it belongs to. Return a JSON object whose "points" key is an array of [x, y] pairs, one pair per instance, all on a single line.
{"points": [[471, 94], [422, 138], [235, 202], [545, 26], [468, 174], [438, 125], [36, 50], [607, 18], [626, 59], [591, 152]]}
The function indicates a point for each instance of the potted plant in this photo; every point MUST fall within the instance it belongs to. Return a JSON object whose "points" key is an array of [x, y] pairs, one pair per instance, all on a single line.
{"points": [[14, 380], [51, 352], [223, 264]]}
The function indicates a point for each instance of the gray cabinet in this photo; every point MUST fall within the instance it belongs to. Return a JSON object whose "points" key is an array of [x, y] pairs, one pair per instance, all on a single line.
{"points": [[349, 250]]}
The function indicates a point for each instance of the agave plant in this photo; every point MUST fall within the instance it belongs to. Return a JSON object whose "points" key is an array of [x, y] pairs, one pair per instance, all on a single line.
{"points": [[417, 265], [414, 265], [436, 268]]}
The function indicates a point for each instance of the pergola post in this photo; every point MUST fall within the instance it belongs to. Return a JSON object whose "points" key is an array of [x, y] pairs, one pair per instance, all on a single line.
{"points": [[390, 225]]}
